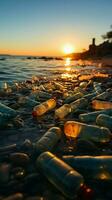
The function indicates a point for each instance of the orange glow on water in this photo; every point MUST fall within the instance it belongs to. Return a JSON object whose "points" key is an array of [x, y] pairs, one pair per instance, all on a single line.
{"points": [[67, 61]]}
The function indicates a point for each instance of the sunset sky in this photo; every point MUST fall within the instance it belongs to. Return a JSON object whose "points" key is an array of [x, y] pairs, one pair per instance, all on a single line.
{"points": [[44, 27]]}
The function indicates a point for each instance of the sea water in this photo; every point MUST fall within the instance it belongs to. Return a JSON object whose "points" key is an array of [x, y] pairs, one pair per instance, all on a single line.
{"points": [[21, 68]]}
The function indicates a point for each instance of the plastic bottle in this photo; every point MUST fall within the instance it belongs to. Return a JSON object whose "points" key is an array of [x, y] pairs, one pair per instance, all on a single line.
{"points": [[44, 107], [90, 96], [3, 86], [26, 101], [93, 168], [91, 116], [104, 120], [103, 95], [79, 103], [97, 87], [48, 140], [61, 175], [72, 98], [83, 84], [59, 86], [62, 111], [100, 105], [79, 89], [7, 110], [93, 133], [43, 94], [4, 118], [37, 95]]}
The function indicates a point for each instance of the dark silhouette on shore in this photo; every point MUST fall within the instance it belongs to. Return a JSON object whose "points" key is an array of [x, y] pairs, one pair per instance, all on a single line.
{"points": [[97, 51]]}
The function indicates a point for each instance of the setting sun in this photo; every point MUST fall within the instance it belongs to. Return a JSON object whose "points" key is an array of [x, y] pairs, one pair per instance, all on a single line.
{"points": [[68, 48]]}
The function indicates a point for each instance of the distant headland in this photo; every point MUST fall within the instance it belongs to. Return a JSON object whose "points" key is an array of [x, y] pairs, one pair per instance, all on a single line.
{"points": [[101, 54], [95, 51]]}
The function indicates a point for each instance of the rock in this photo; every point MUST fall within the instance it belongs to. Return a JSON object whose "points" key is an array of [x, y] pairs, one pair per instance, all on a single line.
{"points": [[17, 196], [19, 159], [27, 145], [35, 198], [18, 173], [4, 173]]}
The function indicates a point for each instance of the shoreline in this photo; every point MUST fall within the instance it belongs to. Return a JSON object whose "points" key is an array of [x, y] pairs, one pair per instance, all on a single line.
{"points": [[101, 62]]}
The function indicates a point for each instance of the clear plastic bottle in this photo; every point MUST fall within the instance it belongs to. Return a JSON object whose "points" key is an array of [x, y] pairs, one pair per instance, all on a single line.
{"points": [[7, 110], [79, 103], [48, 140], [62, 111], [61, 175], [59, 86], [100, 105], [104, 120], [74, 129], [97, 87], [72, 98], [92, 168], [3, 86], [91, 116], [90, 96], [83, 84], [79, 89], [37, 95], [103, 96], [26, 101], [44, 107]]}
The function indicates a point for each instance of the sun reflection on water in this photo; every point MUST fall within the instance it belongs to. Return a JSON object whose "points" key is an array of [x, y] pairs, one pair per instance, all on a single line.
{"points": [[67, 69], [67, 61]]}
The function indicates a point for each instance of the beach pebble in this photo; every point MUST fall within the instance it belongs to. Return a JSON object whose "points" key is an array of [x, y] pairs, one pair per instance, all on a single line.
{"points": [[19, 159], [18, 173], [17, 196], [35, 198], [27, 145], [4, 173]]}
